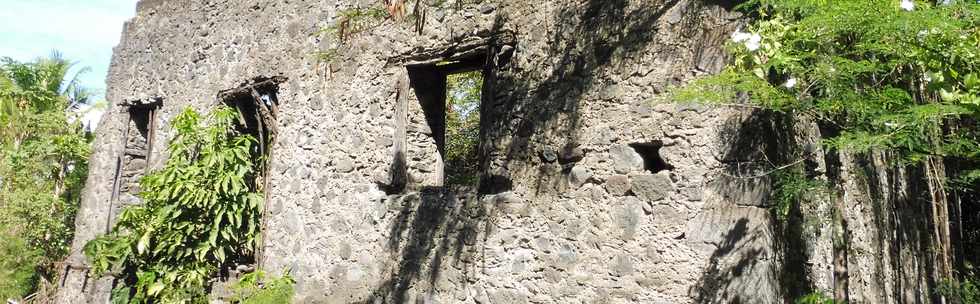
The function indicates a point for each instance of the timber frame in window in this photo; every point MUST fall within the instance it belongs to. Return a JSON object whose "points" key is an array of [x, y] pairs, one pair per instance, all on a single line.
{"points": [[139, 135], [257, 104]]}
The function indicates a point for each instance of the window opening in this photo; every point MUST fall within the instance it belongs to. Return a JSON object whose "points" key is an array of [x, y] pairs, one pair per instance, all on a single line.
{"points": [[257, 105], [462, 159], [134, 161], [451, 95], [650, 152]]}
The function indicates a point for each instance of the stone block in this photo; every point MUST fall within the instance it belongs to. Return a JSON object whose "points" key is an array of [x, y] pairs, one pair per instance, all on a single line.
{"points": [[618, 185], [579, 176], [625, 159], [651, 187], [345, 164]]}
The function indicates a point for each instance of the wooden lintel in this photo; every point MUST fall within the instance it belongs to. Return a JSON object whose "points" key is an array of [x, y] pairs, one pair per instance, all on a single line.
{"points": [[461, 50], [247, 89]]}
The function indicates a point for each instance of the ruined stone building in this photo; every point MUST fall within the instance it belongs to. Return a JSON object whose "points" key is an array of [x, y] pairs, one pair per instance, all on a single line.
{"points": [[593, 187]]}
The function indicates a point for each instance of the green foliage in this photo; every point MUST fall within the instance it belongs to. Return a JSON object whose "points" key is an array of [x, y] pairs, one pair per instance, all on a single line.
{"points": [[815, 298], [888, 78], [255, 288], [200, 213], [966, 291], [17, 274], [730, 86], [791, 186], [463, 95], [881, 77], [43, 164]]}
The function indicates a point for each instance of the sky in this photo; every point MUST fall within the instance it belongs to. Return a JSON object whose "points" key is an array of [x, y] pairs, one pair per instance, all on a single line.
{"points": [[84, 31]]}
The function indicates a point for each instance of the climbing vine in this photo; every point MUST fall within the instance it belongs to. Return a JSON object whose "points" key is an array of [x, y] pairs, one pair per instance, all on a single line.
{"points": [[199, 213]]}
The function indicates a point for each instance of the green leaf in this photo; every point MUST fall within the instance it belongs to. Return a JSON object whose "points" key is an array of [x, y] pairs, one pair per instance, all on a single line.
{"points": [[143, 243], [155, 288], [196, 198], [972, 81]]}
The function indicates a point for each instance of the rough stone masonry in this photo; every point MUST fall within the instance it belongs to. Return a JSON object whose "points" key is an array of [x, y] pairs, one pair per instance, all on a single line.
{"points": [[569, 208]]}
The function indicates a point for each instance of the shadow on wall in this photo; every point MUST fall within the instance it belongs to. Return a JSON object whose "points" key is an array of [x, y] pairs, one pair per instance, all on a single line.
{"points": [[723, 269], [896, 219], [763, 258], [439, 233], [903, 222], [530, 114], [434, 227]]}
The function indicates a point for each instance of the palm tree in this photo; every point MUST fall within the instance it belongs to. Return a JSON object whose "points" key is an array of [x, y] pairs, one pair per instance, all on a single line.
{"points": [[37, 87], [42, 153]]}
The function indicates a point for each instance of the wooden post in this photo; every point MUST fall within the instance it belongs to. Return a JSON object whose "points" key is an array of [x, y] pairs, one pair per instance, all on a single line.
{"points": [[118, 175]]}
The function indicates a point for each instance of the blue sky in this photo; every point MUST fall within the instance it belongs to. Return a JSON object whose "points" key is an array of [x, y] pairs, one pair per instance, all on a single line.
{"points": [[84, 31]]}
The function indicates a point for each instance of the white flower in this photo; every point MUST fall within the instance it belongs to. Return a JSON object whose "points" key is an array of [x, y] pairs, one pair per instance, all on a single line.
{"points": [[891, 124], [738, 36], [908, 5], [790, 83], [754, 42]]}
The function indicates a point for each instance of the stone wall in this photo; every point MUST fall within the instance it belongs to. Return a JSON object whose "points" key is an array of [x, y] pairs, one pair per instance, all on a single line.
{"points": [[568, 211]]}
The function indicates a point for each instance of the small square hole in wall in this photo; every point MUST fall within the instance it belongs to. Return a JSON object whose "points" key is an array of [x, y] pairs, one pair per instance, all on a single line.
{"points": [[451, 95], [650, 152]]}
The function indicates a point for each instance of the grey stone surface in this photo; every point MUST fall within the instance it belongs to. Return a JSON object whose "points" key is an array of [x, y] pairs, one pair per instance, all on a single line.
{"points": [[574, 83], [579, 176], [618, 184], [651, 187], [625, 159]]}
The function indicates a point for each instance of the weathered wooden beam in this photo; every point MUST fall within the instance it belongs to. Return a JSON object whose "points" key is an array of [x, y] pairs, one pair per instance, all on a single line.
{"points": [[248, 87], [115, 180], [457, 51], [150, 138]]}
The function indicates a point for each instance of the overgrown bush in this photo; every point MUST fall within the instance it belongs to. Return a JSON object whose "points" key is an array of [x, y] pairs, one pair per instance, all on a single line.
{"points": [[17, 274], [965, 292], [815, 298], [43, 165], [199, 213], [256, 288]]}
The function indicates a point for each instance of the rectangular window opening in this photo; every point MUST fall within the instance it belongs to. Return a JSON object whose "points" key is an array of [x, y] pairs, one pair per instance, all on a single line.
{"points": [[138, 147], [451, 96], [257, 106], [462, 138], [137, 150]]}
